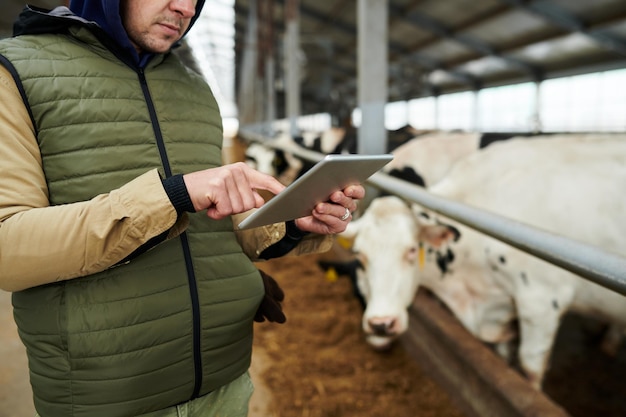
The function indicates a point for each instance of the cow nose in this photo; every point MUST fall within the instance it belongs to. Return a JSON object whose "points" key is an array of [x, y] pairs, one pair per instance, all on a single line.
{"points": [[382, 326]]}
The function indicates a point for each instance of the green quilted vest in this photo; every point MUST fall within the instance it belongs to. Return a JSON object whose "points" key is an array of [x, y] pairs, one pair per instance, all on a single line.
{"points": [[175, 322]]}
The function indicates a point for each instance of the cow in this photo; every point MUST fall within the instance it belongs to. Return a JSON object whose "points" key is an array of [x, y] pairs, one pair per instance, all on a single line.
{"points": [[278, 163], [401, 135], [286, 167], [426, 159], [336, 139], [420, 157], [572, 186], [429, 156], [265, 159]]}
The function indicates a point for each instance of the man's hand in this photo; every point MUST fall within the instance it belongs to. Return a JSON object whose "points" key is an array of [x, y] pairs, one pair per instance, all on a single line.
{"points": [[334, 215], [229, 189], [271, 308]]}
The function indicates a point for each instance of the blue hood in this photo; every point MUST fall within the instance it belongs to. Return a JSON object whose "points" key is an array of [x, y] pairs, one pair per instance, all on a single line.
{"points": [[106, 13]]}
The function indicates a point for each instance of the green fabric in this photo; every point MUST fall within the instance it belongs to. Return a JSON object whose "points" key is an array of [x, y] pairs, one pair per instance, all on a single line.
{"points": [[231, 400], [120, 343]]}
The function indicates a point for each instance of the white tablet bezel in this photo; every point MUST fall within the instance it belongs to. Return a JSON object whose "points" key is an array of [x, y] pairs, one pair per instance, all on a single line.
{"points": [[334, 172]]}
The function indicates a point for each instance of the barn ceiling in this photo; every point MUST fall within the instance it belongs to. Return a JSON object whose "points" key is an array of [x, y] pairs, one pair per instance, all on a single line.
{"points": [[435, 46], [440, 46]]}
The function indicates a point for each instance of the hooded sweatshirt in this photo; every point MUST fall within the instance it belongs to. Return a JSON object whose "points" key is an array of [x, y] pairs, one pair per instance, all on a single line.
{"points": [[106, 15]]}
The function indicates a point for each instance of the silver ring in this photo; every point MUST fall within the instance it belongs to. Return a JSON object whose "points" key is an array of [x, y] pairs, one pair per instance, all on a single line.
{"points": [[346, 215]]}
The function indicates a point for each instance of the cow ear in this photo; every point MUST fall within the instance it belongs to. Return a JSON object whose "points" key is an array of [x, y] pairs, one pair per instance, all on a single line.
{"points": [[437, 235]]}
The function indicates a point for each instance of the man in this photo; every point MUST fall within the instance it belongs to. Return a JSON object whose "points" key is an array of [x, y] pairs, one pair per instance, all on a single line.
{"points": [[131, 291]]}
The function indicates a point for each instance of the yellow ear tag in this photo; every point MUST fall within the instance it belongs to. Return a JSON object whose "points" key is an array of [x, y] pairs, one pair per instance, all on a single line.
{"points": [[331, 274], [343, 242], [421, 257]]}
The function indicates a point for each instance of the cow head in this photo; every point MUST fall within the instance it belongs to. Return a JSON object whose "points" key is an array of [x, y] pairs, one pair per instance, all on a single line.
{"points": [[385, 242], [400, 249]]}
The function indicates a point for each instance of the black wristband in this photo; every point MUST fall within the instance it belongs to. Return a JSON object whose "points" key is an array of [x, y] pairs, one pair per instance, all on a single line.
{"points": [[177, 192], [293, 232]]}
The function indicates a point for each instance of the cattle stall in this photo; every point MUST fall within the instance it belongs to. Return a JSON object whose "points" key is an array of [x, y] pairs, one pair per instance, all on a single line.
{"points": [[483, 383]]}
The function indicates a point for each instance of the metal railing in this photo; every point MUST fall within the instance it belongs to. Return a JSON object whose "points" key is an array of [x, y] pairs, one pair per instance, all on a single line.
{"points": [[587, 261]]}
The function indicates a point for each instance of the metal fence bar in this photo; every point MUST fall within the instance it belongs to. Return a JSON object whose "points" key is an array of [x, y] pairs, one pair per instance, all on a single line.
{"points": [[587, 261]]}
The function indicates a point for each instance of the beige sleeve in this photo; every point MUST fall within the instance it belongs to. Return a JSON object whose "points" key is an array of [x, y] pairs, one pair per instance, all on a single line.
{"points": [[254, 241], [41, 243]]}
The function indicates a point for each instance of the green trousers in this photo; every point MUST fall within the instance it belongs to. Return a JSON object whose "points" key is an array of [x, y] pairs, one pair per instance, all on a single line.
{"points": [[229, 401]]}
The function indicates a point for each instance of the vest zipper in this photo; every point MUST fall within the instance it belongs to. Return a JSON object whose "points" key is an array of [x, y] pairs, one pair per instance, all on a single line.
{"points": [[191, 277]]}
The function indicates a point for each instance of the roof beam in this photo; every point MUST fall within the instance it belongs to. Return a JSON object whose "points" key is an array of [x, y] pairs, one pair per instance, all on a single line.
{"points": [[560, 17], [463, 77], [432, 65], [420, 59], [429, 24]]}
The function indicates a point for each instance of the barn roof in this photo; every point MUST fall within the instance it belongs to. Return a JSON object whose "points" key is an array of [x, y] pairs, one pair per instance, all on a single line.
{"points": [[442, 46], [436, 46]]}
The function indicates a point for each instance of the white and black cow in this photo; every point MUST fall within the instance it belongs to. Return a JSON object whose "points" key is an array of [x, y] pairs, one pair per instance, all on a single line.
{"points": [[336, 140], [426, 159], [429, 156], [344, 139], [573, 186], [283, 164], [278, 163]]}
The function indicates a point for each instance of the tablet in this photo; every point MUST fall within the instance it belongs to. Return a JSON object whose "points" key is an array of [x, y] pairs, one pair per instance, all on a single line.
{"points": [[333, 173]]}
